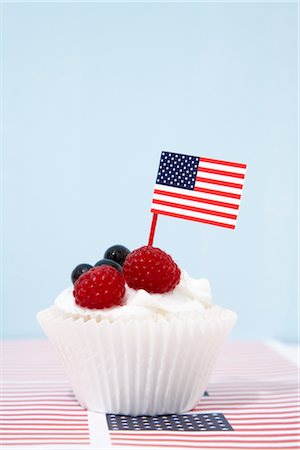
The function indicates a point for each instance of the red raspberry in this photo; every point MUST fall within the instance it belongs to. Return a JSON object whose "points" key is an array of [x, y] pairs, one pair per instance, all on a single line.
{"points": [[151, 269], [100, 287]]}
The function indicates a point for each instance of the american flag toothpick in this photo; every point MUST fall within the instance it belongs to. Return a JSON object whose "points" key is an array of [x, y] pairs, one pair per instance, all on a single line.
{"points": [[200, 189]]}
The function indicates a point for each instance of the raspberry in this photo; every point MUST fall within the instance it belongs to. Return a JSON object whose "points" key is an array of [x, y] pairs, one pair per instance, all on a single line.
{"points": [[100, 287], [151, 269]]}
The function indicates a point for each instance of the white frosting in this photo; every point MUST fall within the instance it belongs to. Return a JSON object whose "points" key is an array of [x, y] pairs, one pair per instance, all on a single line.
{"points": [[189, 297]]}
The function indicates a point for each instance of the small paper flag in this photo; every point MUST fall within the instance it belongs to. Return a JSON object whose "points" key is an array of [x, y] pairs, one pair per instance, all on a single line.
{"points": [[199, 189]]}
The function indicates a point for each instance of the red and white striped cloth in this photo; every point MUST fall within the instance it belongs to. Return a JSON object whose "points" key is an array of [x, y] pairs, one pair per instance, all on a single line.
{"points": [[256, 389], [253, 386], [37, 404]]}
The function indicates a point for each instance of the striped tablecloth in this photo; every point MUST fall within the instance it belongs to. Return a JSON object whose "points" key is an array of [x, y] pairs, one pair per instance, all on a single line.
{"points": [[37, 403], [253, 388]]}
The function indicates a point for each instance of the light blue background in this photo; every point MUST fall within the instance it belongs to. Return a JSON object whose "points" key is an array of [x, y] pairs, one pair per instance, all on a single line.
{"points": [[93, 92]]}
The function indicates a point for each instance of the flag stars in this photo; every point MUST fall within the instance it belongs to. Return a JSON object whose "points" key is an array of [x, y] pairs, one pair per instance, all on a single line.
{"points": [[178, 170]]}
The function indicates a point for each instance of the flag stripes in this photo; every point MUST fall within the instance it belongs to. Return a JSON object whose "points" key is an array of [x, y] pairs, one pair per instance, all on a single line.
{"points": [[197, 217], [215, 162], [161, 194], [209, 194]]}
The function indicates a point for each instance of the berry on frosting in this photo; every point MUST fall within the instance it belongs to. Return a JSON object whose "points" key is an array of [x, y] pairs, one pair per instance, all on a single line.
{"points": [[117, 253], [79, 270], [101, 287], [151, 269], [109, 262]]}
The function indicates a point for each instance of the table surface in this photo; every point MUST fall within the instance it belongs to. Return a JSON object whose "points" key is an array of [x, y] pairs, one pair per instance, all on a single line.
{"points": [[254, 390]]}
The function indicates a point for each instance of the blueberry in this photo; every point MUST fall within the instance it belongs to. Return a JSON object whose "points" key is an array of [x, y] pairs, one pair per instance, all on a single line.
{"points": [[109, 262], [79, 270], [117, 253]]}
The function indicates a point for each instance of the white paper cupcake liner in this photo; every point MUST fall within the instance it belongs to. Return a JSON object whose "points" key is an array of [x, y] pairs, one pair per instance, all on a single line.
{"points": [[138, 367]]}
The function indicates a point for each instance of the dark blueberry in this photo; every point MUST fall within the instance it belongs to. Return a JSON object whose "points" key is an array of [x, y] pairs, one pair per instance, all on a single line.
{"points": [[117, 253], [109, 262], [79, 270]]}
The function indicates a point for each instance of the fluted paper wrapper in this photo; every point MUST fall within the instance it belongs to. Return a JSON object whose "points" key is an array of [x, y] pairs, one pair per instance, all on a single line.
{"points": [[138, 367]]}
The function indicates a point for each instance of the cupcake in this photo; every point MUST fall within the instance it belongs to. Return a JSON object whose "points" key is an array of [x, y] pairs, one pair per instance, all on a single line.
{"points": [[141, 339]]}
